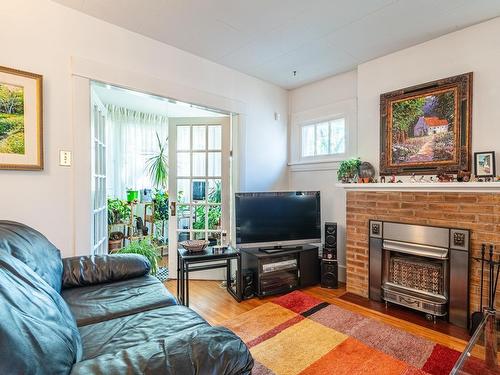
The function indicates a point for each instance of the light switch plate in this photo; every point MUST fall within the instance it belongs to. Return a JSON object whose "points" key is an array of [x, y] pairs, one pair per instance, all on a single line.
{"points": [[65, 158]]}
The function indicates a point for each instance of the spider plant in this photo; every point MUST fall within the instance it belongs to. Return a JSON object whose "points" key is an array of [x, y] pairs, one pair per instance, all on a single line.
{"points": [[157, 165], [143, 247]]}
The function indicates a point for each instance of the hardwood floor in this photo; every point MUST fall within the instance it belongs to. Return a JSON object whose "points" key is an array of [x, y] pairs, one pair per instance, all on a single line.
{"points": [[212, 301]]}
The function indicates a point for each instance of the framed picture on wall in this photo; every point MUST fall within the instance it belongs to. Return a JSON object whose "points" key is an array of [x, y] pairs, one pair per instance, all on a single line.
{"points": [[427, 128], [484, 164], [21, 117]]}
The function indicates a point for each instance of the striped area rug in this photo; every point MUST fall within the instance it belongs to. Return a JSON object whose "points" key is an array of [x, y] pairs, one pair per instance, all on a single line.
{"points": [[299, 334]]}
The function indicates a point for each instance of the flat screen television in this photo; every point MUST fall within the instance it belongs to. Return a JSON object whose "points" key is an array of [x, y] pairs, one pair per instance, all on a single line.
{"points": [[277, 218]]}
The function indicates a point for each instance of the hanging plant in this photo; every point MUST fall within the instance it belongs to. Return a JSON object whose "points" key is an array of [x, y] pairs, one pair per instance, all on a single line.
{"points": [[157, 165]]}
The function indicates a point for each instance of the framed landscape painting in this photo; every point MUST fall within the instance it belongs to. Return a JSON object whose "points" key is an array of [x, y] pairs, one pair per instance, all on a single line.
{"points": [[21, 138], [426, 129]]}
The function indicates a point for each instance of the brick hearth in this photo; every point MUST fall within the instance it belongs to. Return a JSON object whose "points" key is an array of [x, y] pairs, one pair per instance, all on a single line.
{"points": [[479, 212]]}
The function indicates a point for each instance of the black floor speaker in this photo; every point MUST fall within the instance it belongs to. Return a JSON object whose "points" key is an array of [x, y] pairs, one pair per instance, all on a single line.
{"points": [[329, 273], [330, 246], [247, 287]]}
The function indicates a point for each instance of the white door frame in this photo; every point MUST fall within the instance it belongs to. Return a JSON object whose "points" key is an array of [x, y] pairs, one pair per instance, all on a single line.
{"points": [[83, 72], [225, 122]]}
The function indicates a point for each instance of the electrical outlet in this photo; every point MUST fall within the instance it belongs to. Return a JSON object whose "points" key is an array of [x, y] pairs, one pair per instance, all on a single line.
{"points": [[65, 158]]}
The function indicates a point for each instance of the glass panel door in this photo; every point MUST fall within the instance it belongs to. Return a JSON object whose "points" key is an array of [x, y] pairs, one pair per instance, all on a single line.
{"points": [[199, 181], [99, 204]]}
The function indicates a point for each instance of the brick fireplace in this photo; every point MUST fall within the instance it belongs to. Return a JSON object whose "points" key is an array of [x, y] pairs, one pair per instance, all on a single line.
{"points": [[479, 212]]}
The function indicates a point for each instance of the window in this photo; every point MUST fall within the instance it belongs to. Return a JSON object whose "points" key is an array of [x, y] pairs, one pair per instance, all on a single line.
{"points": [[323, 138]]}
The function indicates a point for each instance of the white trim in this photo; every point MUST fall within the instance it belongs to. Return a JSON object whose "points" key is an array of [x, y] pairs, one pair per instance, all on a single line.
{"points": [[314, 166], [82, 167], [83, 71], [152, 85], [428, 187], [343, 109]]}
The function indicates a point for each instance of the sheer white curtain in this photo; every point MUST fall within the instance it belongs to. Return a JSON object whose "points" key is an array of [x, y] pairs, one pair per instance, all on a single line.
{"points": [[131, 141]]}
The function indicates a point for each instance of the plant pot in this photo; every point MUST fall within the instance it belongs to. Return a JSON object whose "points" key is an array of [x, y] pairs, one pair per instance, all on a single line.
{"points": [[114, 245], [132, 195]]}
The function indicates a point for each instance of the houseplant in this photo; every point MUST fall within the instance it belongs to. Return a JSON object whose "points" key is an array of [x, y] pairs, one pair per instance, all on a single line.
{"points": [[348, 170], [157, 166], [160, 200], [143, 247], [118, 211]]}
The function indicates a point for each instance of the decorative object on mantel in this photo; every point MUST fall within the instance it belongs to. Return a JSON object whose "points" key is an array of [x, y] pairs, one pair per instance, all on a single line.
{"points": [[484, 164], [427, 127], [348, 170], [366, 172], [463, 176], [21, 136], [445, 177]]}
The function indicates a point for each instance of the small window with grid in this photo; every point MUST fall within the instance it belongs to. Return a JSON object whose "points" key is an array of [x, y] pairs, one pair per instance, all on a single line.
{"points": [[323, 139]]}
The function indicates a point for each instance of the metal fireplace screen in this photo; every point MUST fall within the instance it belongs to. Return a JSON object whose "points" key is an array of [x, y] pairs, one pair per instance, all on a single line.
{"points": [[413, 273]]}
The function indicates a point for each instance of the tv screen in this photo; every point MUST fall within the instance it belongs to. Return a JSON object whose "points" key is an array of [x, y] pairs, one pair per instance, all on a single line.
{"points": [[278, 217]]}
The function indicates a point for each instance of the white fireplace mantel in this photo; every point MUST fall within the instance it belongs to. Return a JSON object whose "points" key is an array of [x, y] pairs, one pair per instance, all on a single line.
{"points": [[466, 187]]}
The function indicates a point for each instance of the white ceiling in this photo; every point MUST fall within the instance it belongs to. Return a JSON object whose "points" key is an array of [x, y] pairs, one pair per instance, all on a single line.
{"points": [[269, 39], [146, 103]]}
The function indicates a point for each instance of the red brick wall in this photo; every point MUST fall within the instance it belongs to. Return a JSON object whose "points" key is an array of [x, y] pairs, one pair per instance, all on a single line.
{"points": [[479, 212]]}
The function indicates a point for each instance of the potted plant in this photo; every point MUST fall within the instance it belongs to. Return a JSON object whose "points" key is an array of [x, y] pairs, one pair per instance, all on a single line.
{"points": [[143, 247], [160, 200], [348, 170], [157, 166], [118, 213]]}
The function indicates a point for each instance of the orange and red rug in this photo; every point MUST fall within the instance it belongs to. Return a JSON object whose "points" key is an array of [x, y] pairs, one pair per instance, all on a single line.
{"points": [[299, 334]]}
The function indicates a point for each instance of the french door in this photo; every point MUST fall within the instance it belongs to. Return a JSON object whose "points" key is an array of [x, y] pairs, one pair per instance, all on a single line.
{"points": [[99, 234], [199, 166]]}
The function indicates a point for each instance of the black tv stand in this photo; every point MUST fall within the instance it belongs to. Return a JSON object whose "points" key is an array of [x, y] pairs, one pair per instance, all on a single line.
{"points": [[279, 249], [280, 270]]}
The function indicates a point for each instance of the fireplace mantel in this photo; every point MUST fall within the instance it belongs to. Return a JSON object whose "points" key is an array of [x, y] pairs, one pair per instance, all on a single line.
{"points": [[426, 187]]}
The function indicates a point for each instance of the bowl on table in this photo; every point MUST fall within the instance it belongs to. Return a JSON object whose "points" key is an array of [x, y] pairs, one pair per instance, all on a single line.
{"points": [[194, 246]]}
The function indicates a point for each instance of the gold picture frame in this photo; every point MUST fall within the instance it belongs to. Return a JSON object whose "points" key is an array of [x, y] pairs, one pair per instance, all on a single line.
{"points": [[21, 120], [426, 129]]}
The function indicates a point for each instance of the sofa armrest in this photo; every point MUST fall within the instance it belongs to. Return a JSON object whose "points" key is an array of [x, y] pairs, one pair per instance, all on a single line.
{"points": [[97, 269], [206, 351]]}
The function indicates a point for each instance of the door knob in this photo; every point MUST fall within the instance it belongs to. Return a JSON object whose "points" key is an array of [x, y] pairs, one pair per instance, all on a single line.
{"points": [[172, 208]]}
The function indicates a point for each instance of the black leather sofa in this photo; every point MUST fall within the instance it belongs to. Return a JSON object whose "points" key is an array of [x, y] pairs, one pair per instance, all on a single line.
{"points": [[99, 315]]}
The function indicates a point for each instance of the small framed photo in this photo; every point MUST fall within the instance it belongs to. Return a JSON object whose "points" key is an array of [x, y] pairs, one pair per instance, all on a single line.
{"points": [[21, 138], [484, 164]]}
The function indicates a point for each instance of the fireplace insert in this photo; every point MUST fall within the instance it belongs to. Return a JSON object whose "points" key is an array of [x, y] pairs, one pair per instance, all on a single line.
{"points": [[421, 267]]}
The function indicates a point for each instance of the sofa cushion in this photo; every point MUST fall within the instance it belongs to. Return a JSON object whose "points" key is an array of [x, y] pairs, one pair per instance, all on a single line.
{"points": [[204, 351], [98, 269], [33, 249], [97, 303], [38, 334], [114, 335]]}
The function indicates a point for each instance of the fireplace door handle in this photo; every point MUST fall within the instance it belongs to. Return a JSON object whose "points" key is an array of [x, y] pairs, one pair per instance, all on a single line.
{"points": [[412, 302]]}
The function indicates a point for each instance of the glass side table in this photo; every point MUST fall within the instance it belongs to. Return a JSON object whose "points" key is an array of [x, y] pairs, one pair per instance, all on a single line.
{"points": [[480, 356]]}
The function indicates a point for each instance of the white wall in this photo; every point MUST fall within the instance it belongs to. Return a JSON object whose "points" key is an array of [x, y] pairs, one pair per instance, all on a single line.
{"points": [[475, 49], [42, 37], [323, 99]]}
